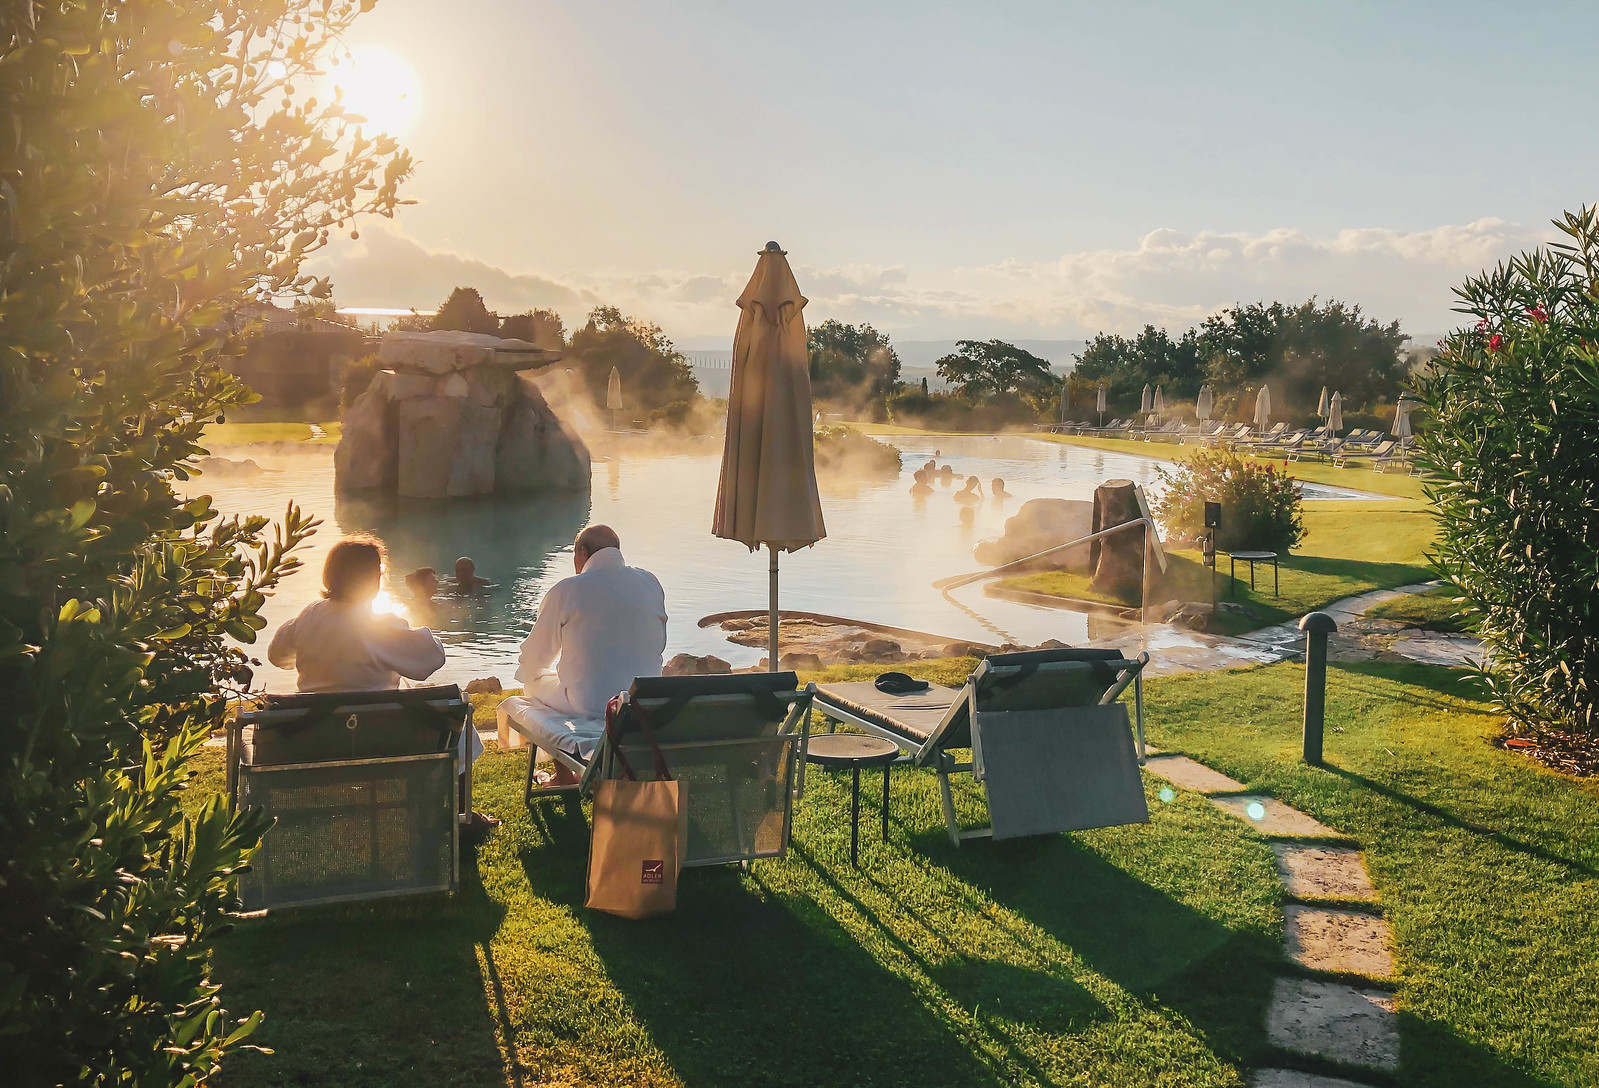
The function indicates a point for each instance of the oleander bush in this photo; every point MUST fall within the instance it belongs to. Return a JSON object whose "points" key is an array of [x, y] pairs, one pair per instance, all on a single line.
{"points": [[163, 163], [1513, 456], [1261, 505]]}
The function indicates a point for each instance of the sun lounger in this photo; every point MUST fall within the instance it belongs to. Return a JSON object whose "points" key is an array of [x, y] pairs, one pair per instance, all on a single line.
{"points": [[1228, 435], [363, 788], [736, 742], [1378, 452], [1050, 744]]}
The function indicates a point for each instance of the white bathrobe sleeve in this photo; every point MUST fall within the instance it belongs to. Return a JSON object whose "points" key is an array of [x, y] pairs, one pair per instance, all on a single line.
{"points": [[283, 652], [414, 652], [543, 644]]}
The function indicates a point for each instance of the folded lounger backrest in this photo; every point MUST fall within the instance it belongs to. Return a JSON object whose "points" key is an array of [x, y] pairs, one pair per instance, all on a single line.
{"points": [[362, 788], [1054, 750], [732, 740], [314, 727]]}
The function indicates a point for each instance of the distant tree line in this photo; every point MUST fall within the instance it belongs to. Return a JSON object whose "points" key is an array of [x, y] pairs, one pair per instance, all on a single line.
{"points": [[1297, 350]]}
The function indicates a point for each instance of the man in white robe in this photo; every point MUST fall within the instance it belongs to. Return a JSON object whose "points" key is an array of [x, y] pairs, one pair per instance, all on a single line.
{"points": [[595, 632]]}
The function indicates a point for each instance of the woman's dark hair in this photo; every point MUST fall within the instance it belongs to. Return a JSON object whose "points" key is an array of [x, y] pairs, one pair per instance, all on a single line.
{"points": [[351, 561]]}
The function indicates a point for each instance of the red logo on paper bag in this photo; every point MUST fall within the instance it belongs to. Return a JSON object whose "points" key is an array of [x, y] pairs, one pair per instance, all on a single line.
{"points": [[654, 872]]}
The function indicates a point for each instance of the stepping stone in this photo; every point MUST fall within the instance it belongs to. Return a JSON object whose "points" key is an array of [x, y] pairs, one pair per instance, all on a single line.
{"points": [[1189, 774], [1333, 1020], [1274, 819], [1323, 872], [1293, 1078], [1337, 940]]}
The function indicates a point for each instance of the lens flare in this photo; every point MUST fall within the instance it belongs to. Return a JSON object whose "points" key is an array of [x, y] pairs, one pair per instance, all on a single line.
{"points": [[1256, 810], [1167, 794], [382, 87]]}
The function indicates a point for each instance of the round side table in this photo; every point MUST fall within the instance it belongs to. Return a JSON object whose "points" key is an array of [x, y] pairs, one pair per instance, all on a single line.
{"points": [[837, 751], [1252, 558]]}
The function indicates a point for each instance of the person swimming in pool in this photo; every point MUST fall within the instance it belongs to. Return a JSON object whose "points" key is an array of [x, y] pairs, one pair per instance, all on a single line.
{"points": [[997, 489], [920, 489], [972, 493]]}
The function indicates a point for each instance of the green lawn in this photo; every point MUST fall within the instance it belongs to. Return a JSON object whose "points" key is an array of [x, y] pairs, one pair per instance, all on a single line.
{"points": [[1434, 610], [244, 434], [1349, 548], [1130, 956]]}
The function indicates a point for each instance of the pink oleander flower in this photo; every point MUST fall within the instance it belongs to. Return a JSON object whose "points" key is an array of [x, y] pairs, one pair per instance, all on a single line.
{"points": [[1495, 342], [1538, 314]]}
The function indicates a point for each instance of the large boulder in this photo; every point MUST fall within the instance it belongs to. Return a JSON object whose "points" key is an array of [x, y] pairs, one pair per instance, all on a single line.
{"points": [[447, 447], [536, 449], [451, 416], [1041, 524]]}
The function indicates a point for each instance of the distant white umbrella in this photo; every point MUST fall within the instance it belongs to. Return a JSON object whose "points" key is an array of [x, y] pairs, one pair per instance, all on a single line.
{"points": [[1099, 404], [1402, 418], [1335, 415], [1146, 403], [1160, 402], [1321, 405], [1065, 399], [1205, 405], [1263, 408], [613, 396]]}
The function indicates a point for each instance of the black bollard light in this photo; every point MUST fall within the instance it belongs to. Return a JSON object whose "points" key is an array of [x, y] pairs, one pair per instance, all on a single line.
{"points": [[1317, 626]]}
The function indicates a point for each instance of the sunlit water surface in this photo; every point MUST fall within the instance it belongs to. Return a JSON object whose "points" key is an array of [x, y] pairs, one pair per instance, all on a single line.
{"points": [[882, 552]]}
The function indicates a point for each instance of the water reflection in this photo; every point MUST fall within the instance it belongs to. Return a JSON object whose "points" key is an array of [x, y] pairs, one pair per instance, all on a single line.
{"points": [[884, 546]]}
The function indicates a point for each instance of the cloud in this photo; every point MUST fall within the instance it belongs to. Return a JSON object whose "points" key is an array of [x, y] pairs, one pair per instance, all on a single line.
{"points": [[1168, 278]]}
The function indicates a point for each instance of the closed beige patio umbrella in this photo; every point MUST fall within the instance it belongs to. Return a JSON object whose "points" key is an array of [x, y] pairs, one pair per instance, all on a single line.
{"points": [[767, 494]]}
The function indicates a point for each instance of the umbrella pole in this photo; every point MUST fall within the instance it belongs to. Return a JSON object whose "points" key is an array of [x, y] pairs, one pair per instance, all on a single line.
{"points": [[771, 613]]}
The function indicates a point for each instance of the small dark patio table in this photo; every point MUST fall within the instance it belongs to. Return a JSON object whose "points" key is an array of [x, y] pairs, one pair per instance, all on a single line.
{"points": [[1252, 558], [837, 751]]}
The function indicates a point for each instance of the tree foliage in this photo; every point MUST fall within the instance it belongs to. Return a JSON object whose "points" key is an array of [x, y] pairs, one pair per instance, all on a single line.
{"points": [[541, 327], [1297, 350], [654, 373], [1261, 505], [1513, 453], [162, 164], [465, 311], [852, 365], [1126, 366], [989, 369]]}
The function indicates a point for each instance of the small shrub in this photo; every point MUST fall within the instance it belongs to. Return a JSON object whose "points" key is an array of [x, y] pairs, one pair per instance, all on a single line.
{"points": [[843, 450], [1513, 453], [1261, 505]]}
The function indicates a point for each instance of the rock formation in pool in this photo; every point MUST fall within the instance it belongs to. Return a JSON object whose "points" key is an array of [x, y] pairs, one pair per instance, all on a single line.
{"points": [[451, 415], [1041, 524]]}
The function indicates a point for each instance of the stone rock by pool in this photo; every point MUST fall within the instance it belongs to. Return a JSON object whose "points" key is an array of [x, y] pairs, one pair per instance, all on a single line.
{"points": [[453, 414], [1041, 524]]}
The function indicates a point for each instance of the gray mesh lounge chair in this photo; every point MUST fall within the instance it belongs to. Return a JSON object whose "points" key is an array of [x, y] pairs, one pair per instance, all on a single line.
{"points": [[363, 788], [1049, 742], [736, 742]]}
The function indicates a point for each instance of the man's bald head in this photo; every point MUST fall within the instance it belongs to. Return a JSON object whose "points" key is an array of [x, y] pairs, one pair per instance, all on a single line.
{"points": [[593, 539]]}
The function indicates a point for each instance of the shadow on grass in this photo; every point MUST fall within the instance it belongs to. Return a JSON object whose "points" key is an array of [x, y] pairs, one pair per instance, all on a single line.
{"points": [[745, 987], [1150, 944], [1433, 1056], [374, 995]]}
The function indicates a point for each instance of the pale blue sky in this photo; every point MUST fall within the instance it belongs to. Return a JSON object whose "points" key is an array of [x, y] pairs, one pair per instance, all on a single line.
{"points": [[980, 169]]}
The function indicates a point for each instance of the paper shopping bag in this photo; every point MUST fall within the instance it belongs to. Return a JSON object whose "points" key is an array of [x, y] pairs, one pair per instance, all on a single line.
{"points": [[640, 830]]}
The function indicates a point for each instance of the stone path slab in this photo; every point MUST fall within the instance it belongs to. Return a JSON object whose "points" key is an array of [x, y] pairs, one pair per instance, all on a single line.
{"points": [[1293, 1078], [1274, 819], [1439, 648], [1333, 1020], [1323, 872], [1345, 941], [1188, 774]]}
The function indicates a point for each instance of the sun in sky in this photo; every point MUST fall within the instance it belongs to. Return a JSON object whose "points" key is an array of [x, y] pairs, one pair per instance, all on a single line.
{"points": [[382, 87]]}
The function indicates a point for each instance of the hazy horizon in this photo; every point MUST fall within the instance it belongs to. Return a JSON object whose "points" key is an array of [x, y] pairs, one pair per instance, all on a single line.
{"points": [[1030, 171]]}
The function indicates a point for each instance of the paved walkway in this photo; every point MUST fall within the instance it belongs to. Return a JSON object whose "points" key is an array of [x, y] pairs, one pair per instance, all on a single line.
{"points": [[1326, 1008], [1359, 638], [1333, 1007]]}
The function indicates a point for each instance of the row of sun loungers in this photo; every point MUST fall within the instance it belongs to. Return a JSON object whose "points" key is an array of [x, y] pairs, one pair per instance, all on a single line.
{"points": [[1362, 446]]}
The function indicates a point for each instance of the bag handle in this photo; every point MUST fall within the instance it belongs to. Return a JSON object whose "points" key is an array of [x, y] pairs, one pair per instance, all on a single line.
{"points": [[612, 712]]}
